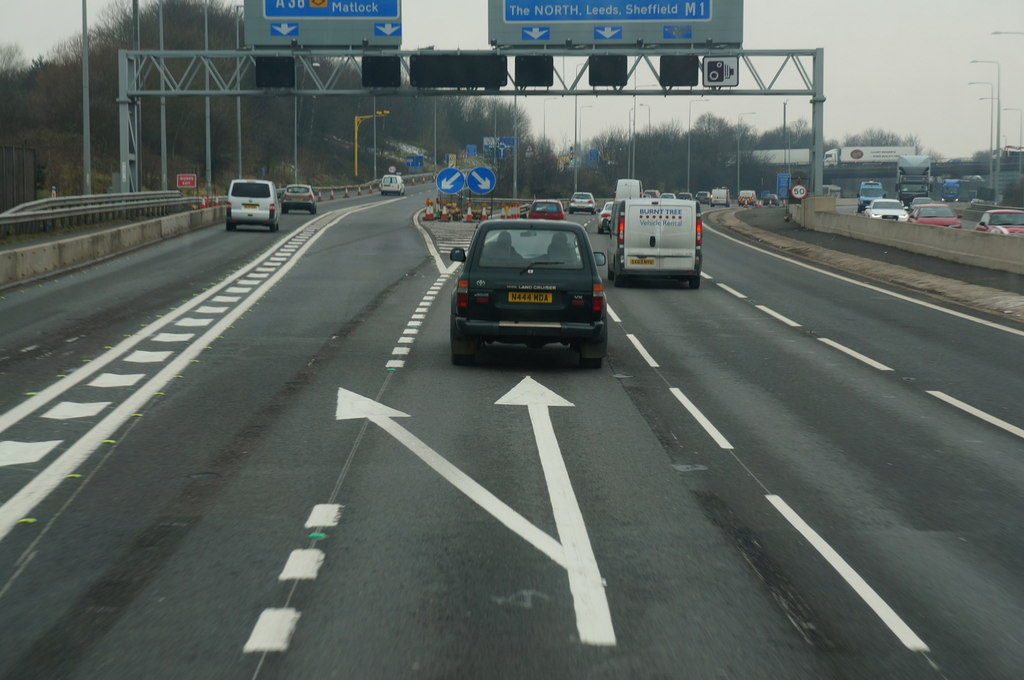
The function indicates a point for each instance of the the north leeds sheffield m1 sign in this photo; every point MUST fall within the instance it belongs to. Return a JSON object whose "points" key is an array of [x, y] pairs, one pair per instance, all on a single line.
{"points": [[607, 23], [323, 23]]}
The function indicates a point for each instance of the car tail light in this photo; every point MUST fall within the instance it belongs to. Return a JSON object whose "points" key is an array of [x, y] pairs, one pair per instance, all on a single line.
{"points": [[700, 231], [622, 228], [597, 301], [462, 294]]}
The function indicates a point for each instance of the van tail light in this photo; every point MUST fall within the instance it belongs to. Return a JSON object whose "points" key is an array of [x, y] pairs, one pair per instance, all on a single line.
{"points": [[700, 231], [273, 209], [462, 294], [621, 228], [597, 301]]}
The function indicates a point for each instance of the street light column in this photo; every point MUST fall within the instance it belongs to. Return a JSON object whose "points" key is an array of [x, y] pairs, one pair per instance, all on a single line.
{"points": [[999, 120], [689, 135], [991, 98], [739, 133]]}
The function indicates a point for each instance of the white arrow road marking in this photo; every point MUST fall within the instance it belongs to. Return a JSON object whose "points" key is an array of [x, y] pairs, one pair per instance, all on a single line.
{"points": [[352, 406], [593, 617]]}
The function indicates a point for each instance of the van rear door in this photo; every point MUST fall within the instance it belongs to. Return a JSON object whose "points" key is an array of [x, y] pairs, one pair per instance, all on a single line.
{"points": [[660, 237]]}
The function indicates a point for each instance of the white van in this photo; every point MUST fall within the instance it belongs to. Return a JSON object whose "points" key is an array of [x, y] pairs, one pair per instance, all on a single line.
{"points": [[628, 188], [393, 185], [720, 196], [654, 237], [252, 201]]}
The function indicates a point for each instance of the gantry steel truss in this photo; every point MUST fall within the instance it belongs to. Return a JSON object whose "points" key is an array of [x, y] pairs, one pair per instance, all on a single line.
{"points": [[230, 73]]}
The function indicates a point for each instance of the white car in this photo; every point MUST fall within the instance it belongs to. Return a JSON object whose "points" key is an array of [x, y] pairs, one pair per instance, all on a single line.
{"points": [[582, 201], [886, 209]]}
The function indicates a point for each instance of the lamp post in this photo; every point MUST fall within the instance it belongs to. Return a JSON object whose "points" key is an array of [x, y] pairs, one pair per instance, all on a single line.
{"points": [[991, 98], [647, 106], [358, 120], [576, 150], [999, 121], [86, 148], [689, 134], [739, 133], [1020, 140], [238, 100], [206, 70], [544, 134], [631, 128]]}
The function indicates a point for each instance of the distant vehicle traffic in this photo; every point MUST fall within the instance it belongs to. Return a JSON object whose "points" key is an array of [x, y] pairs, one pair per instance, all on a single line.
{"points": [[529, 282], [627, 188], [1007, 222], [392, 185], [913, 178], [582, 201], [651, 193], [299, 196], [853, 155], [771, 200], [606, 218], [747, 197], [667, 194], [684, 195], [252, 201], [720, 196], [886, 209], [655, 237], [545, 210], [935, 214], [868, 191], [703, 197]]}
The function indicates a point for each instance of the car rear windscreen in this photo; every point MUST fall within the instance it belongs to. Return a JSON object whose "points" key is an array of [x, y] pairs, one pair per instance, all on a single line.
{"points": [[250, 190]]}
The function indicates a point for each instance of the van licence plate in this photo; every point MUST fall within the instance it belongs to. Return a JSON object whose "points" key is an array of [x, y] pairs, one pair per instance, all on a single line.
{"points": [[519, 296], [642, 261], [250, 206]]}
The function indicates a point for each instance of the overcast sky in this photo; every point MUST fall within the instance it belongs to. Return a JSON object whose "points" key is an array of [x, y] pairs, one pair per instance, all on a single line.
{"points": [[899, 65]]}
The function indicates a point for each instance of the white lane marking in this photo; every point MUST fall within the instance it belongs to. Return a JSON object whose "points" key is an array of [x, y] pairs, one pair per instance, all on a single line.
{"points": [[701, 418], [856, 355], [773, 313], [612, 314], [173, 337], [116, 380], [324, 515], [237, 289], [226, 298], [143, 357], [419, 317], [859, 585], [978, 413], [273, 631], [21, 503], [399, 351], [395, 363], [643, 352], [593, 616], [410, 331], [255, 275], [406, 340], [67, 410], [883, 291], [705, 275], [731, 291], [22, 453], [302, 565], [209, 309], [190, 322]]}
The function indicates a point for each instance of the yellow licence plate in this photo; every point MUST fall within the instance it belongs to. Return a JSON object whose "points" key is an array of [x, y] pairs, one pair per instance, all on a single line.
{"points": [[518, 296], [649, 261], [249, 206]]}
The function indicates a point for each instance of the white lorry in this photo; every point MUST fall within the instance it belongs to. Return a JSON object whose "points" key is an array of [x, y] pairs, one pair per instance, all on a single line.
{"points": [[654, 237], [853, 155]]}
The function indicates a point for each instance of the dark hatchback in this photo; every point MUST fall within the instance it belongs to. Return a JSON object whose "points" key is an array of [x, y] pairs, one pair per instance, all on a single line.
{"points": [[529, 282]]}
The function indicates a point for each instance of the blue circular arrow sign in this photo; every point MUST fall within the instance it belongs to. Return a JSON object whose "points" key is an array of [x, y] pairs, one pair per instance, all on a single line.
{"points": [[450, 181], [481, 180]]}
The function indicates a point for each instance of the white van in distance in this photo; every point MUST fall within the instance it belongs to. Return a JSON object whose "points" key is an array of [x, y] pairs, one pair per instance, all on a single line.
{"points": [[392, 185], [655, 237], [628, 188], [720, 196]]}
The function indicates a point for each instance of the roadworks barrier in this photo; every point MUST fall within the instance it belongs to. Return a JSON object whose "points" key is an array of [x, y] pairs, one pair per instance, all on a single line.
{"points": [[21, 264]]}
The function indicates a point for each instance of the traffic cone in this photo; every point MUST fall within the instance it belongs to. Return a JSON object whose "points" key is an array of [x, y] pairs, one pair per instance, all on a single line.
{"points": [[332, 193], [319, 195], [469, 213], [346, 193], [359, 190], [444, 213]]}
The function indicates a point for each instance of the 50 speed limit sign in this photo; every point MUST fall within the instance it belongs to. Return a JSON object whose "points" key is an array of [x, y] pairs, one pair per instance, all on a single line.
{"points": [[799, 191]]}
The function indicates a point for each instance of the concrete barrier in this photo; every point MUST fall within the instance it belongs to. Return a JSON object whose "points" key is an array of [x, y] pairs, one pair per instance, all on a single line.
{"points": [[35, 260], [964, 246]]}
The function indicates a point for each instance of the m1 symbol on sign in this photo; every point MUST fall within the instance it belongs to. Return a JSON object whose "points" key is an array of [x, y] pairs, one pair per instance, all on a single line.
{"points": [[799, 192], [187, 181]]}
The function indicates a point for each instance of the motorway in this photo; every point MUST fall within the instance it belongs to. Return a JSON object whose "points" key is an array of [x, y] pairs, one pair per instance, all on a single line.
{"points": [[247, 455]]}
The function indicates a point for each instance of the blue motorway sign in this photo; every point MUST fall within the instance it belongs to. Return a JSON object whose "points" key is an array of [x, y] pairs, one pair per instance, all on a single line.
{"points": [[481, 180], [471, 151], [531, 11], [783, 180], [450, 181], [331, 9]]}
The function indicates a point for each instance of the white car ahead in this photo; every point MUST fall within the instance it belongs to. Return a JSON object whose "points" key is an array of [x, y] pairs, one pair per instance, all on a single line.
{"points": [[886, 209]]}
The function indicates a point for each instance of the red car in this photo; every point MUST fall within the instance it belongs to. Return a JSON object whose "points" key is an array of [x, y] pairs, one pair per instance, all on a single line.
{"points": [[546, 210], [1009, 222], [935, 214]]}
